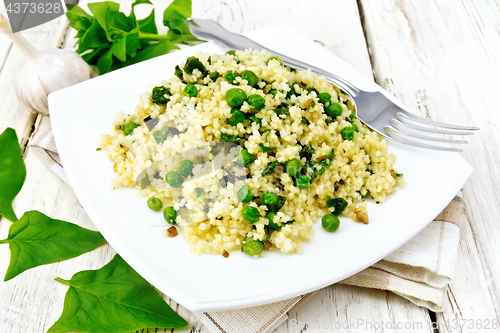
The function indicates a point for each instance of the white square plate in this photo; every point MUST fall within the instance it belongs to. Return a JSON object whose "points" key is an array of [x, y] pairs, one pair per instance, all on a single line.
{"points": [[82, 113]]}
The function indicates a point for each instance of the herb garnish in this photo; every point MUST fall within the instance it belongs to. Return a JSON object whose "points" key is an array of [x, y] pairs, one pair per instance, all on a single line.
{"points": [[110, 40], [270, 168], [338, 204]]}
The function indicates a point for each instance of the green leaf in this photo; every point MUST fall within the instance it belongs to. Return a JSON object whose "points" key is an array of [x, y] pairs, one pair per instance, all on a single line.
{"points": [[12, 172], [114, 22], [175, 14], [119, 48], [114, 299], [148, 24], [105, 61], [91, 56], [37, 240], [79, 19], [94, 37], [139, 2]]}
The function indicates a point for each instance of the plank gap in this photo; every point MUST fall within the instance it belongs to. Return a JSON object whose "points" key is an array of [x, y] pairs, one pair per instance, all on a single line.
{"points": [[367, 43], [435, 327], [8, 51]]}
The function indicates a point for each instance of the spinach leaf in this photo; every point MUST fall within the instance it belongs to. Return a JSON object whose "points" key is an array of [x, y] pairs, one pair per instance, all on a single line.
{"points": [[307, 151], [270, 168], [12, 172], [114, 298], [339, 204], [265, 149], [36, 240]]}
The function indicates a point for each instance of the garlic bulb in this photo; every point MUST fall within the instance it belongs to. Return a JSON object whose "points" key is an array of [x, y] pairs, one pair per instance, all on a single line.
{"points": [[43, 72]]}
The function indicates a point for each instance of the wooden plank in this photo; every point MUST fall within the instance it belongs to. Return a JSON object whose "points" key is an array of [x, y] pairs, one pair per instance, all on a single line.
{"points": [[342, 308], [441, 59]]}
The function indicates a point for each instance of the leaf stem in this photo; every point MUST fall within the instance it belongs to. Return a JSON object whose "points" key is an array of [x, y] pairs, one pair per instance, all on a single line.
{"points": [[153, 36], [66, 282], [4, 241]]}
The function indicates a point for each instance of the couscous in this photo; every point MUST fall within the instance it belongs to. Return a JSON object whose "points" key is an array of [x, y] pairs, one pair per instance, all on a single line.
{"points": [[243, 152]]}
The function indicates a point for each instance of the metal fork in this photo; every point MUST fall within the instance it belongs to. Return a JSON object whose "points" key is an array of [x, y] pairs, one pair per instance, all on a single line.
{"points": [[373, 108]]}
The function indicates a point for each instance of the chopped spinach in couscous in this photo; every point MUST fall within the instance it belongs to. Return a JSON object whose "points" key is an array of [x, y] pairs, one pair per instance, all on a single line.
{"points": [[245, 153]]}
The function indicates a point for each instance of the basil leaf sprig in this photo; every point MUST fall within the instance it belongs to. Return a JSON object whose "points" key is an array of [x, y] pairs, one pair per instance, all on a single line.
{"points": [[12, 172], [37, 240], [110, 40], [115, 299]]}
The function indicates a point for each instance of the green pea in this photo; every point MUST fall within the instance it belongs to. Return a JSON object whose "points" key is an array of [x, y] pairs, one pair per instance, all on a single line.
{"points": [[324, 97], [356, 129], [348, 133], [244, 158], [190, 90], [256, 101], [250, 214], [334, 110], [293, 167], [252, 247], [186, 168], [236, 118], [330, 222], [245, 194], [155, 204], [129, 128], [231, 52], [170, 215], [174, 179], [351, 117], [302, 181], [270, 217], [192, 63], [230, 76], [160, 95], [274, 58], [269, 198], [235, 97], [250, 76]]}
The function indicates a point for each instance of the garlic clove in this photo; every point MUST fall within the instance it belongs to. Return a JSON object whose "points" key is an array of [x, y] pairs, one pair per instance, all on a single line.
{"points": [[48, 71], [44, 72]]}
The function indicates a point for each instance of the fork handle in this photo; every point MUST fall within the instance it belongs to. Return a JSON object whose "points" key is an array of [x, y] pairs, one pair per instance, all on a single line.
{"points": [[213, 31]]}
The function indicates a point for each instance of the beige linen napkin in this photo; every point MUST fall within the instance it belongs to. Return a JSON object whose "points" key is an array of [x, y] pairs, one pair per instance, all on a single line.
{"points": [[419, 271]]}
